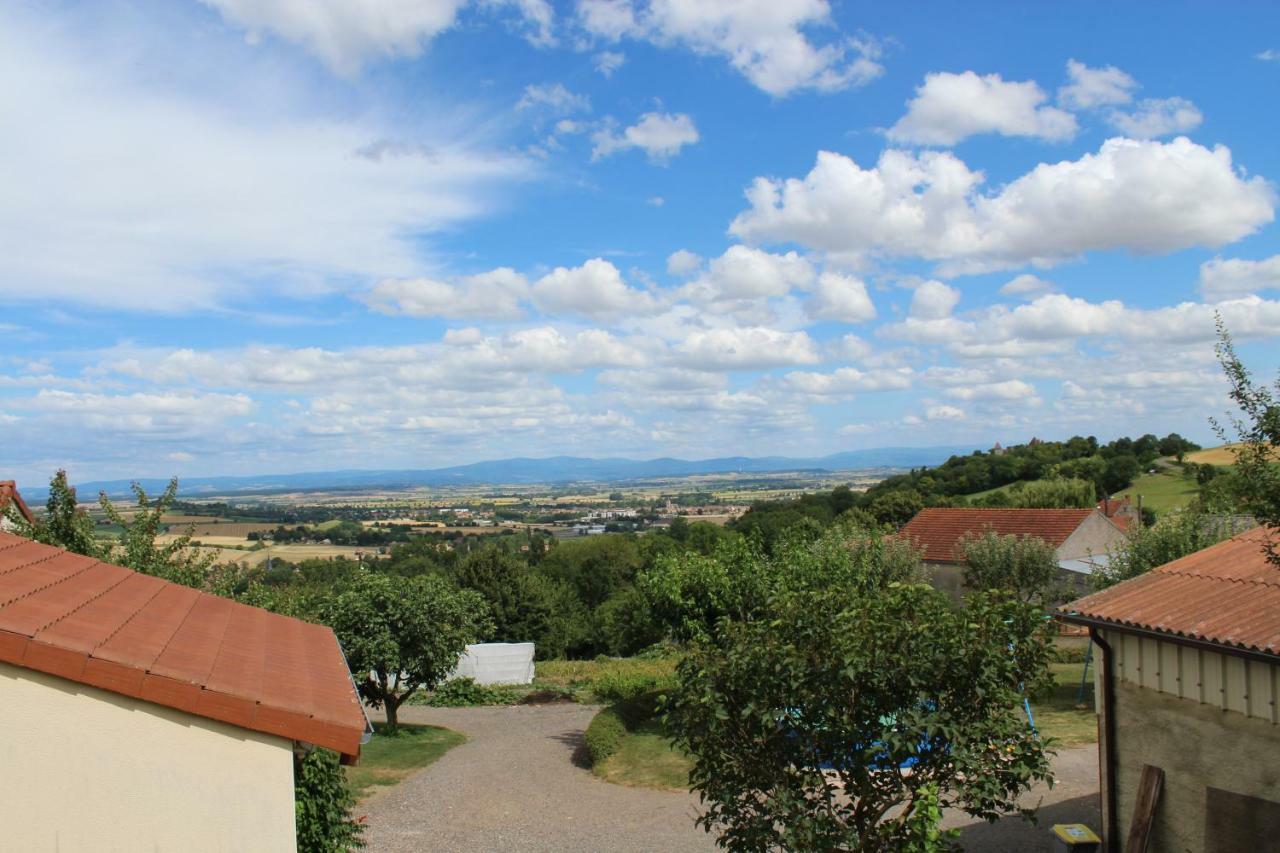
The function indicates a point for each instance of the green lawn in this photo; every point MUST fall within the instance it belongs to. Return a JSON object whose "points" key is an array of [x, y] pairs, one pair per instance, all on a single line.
{"points": [[1058, 717], [387, 759], [646, 759], [1162, 491]]}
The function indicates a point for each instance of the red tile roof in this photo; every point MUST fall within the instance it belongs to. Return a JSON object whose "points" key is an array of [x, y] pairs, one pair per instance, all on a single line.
{"points": [[9, 494], [938, 530], [1227, 594], [113, 628]]}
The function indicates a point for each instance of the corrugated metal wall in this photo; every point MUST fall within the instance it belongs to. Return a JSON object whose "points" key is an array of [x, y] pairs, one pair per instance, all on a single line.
{"points": [[1226, 681]]}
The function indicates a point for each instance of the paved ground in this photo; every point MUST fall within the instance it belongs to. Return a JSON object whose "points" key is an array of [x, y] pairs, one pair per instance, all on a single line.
{"points": [[518, 784]]}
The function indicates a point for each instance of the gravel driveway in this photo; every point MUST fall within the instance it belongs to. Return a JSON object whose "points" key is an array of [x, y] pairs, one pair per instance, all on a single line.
{"points": [[517, 784]]}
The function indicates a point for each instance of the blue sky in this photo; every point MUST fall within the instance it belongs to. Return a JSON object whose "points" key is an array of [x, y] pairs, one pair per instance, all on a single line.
{"points": [[262, 236]]}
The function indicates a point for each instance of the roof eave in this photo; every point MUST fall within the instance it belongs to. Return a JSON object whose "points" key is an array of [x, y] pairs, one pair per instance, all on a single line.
{"points": [[1250, 652]]}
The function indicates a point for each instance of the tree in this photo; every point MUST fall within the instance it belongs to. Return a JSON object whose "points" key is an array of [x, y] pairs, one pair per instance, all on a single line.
{"points": [[519, 601], [322, 803], [1024, 566], [797, 723], [1257, 433], [138, 549], [401, 635], [1175, 535], [64, 523], [1056, 493], [1119, 473]]}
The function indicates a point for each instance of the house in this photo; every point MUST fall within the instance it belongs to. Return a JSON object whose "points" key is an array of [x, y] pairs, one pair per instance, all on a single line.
{"points": [[144, 715], [1121, 511], [1189, 682], [1082, 538], [9, 498]]}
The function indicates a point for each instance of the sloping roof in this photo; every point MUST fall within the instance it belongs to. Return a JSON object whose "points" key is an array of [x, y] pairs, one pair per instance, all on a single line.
{"points": [[130, 633], [9, 495], [938, 530], [1227, 594]]}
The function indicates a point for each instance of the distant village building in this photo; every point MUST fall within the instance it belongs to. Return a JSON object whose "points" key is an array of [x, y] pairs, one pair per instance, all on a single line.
{"points": [[144, 715], [1121, 511], [1189, 683], [1082, 538], [997, 450]]}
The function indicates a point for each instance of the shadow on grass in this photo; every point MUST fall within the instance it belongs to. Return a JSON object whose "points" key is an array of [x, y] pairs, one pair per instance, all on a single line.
{"points": [[389, 758]]}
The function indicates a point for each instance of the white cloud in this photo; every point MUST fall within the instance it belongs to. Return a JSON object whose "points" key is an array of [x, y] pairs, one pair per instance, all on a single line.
{"points": [[750, 348], [944, 413], [1142, 196], [595, 290], [745, 273], [842, 298], [554, 98], [174, 414], [344, 34], [934, 300], [1010, 389], [496, 294], [846, 381], [659, 135], [608, 61], [165, 202], [1225, 278], [1095, 87], [682, 262], [948, 108], [764, 41], [655, 201], [1268, 55], [1026, 285], [1155, 117]]}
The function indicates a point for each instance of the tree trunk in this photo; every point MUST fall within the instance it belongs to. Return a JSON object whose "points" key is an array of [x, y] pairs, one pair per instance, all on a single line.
{"points": [[392, 707]]}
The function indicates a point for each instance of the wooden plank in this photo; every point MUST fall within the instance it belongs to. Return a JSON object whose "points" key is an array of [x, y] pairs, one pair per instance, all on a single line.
{"points": [[1144, 809]]}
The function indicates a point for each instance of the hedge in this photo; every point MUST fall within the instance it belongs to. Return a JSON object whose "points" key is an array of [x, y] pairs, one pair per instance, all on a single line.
{"points": [[608, 728]]}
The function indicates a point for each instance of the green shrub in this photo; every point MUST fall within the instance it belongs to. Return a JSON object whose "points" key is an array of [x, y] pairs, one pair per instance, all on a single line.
{"points": [[604, 735], [1074, 653], [621, 685], [465, 692], [322, 805]]}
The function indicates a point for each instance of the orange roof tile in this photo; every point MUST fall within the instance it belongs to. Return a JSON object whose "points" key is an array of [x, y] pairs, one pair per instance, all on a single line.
{"points": [[1228, 594], [938, 530], [113, 628]]}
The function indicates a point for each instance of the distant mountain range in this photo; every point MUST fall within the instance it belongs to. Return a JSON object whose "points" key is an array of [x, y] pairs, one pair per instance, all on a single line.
{"points": [[527, 471]]}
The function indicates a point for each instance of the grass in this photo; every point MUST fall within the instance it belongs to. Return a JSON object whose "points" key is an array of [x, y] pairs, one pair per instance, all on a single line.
{"points": [[1162, 491], [576, 676], [387, 759], [1058, 717], [646, 759]]}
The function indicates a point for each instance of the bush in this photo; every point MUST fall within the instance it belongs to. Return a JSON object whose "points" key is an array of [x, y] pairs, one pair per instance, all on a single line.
{"points": [[465, 692], [604, 735], [624, 685], [322, 805]]}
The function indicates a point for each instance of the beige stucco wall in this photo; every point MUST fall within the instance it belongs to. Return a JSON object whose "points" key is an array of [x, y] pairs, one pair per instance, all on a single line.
{"points": [[82, 769], [1199, 747], [1094, 537]]}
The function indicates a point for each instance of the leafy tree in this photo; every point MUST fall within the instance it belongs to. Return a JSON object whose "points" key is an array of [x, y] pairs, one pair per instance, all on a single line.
{"points": [[1175, 535], [595, 567], [1257, 433], [323, 802], [1119, 473], [1056, 493], [519, 601], [402, 634], [64, 523], [798, 721], [897, 507], [1025, 566], [174, 561], [626, 623]]}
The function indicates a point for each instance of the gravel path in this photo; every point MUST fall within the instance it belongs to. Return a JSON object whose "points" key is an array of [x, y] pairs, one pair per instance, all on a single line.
{"points": [[518, 784]]}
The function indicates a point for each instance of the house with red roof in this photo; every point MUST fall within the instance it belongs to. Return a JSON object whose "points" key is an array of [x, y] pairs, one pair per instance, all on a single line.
{"points": [[144, 715], [11, 501], [1189, 685], [1082, 538]]}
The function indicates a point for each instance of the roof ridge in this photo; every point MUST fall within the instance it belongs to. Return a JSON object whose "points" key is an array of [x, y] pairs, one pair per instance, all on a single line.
{"points": [[84, 603], [1251, 581]]}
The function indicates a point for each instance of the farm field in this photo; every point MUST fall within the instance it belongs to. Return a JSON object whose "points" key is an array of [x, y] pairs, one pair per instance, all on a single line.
{"points": [[226, 551], [1162, 491]]}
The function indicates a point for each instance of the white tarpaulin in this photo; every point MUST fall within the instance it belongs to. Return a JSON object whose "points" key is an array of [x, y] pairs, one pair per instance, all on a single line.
{"points": [[497, 663]]}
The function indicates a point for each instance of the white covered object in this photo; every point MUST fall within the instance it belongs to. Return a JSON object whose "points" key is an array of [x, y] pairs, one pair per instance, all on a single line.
{"points": [[497, 663]]}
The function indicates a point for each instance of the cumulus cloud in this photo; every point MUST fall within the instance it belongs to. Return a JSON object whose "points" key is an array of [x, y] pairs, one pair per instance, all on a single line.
{"points": [[496, 295], [1155, 117], [682, 262], [174, 414], [744, 273], [1143, 196], [842, 298], [933, 300], [1010, 389], [659, 135], [554, 98], [1026, 285], [765, 42], [1223, 278], [747, 348], [948, 108], [846, 381], [608, 61], [1095, 87], [595, 290], [944, 413], [1268, 55]]}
